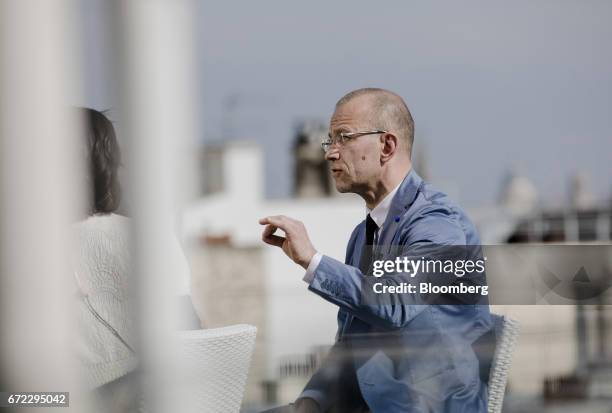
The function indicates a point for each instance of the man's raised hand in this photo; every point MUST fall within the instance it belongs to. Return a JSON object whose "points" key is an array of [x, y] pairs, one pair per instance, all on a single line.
{"points": [[295, 243]]}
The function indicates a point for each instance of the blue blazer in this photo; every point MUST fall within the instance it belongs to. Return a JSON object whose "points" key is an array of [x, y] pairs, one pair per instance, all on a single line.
{"points": [[407, 357]]}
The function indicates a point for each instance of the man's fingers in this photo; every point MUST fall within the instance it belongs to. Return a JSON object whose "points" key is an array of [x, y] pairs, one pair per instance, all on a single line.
{"points": [[279, 221], [269, 238], [274, 240], [295, 242], [268, 230], [269, 219]]}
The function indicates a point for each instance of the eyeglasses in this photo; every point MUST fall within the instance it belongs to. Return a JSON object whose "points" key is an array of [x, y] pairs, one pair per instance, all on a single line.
{"points": [[343, 137]]}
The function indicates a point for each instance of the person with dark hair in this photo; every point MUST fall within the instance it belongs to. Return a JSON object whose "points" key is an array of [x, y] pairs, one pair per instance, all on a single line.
{"points": [[104, 159], [102, 270]]}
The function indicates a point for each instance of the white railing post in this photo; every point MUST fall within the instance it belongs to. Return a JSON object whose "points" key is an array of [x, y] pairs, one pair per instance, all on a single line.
{"points": [[157, 109], [39, 195]]}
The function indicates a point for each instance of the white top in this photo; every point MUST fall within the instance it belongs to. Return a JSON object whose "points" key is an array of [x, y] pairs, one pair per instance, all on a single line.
{"points": [[102, 267], [378, 214]]}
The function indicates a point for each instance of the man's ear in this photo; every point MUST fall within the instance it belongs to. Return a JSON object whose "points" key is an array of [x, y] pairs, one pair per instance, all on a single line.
{"points": [[390, 145]]}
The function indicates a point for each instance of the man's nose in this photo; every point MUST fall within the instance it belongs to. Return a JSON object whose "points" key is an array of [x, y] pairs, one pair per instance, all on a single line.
{"points": [[333, 154]]}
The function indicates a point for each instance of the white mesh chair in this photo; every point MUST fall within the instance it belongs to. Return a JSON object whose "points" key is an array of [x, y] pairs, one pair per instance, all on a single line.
{"points": [[506, 335], [217, 363]]}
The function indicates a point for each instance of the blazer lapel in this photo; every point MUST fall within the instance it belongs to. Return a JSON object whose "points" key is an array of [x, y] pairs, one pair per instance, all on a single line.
{"points": [[359, 244], [404, 197]]}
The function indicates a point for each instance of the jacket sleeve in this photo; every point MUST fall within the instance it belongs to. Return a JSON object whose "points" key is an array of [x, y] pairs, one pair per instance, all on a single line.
{"points": [[348, 288]]}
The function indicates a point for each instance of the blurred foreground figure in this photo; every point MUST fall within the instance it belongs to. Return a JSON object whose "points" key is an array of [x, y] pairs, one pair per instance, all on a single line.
{"points": [[393, 353], [102, 271]]}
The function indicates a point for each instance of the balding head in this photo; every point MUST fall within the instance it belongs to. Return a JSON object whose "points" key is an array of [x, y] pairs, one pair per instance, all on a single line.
{"points": [[386, 111]]}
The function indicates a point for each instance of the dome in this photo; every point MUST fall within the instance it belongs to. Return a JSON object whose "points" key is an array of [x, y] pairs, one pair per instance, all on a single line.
{"points": [[519, 195]]}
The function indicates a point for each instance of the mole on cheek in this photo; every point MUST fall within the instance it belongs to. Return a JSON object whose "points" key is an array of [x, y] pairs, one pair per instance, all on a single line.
{"points": [[363, 158]]}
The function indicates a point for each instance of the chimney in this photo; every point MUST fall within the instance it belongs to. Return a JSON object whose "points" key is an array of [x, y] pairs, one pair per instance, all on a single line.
{"points": [[235, 169], [312, 178]]}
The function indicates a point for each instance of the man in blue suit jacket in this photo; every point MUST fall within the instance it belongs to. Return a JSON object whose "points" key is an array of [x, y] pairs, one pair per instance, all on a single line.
{"points": [[400, 355]]}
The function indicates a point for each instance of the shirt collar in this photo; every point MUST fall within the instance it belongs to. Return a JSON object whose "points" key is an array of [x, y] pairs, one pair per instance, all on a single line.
{"points": [[380, 211]]}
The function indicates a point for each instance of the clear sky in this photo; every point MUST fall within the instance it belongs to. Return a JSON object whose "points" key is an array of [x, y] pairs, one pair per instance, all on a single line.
{"points": [[492, 85]]}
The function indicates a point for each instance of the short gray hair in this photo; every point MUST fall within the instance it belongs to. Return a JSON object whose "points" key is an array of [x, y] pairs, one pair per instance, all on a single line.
{"points": [[388, 112]]}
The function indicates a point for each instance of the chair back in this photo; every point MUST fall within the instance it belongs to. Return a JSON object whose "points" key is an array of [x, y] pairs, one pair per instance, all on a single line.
{"points": [[506, 332], [217, 364], [494, 352]]}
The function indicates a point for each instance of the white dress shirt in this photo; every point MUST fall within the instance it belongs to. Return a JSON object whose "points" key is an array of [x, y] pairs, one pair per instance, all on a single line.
{"points": [[379, 215]]}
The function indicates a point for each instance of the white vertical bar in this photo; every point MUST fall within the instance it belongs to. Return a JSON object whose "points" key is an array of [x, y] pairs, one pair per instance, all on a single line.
{"points": [[158, 109], [39, 193]]}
